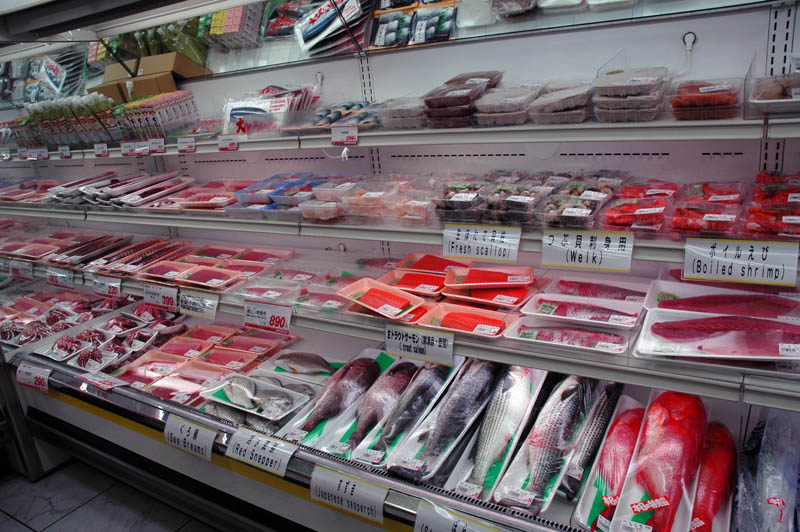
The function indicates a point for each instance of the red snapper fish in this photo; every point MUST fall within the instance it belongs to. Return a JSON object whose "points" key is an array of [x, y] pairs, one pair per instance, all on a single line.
{"points": [[755, 305], [716, 477], [669, 454]]}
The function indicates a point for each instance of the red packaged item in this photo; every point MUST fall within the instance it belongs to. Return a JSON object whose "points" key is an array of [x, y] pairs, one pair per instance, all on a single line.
{"points": [[228, 358], [715, 192], [167, 270], [636, 213], [219, 252], [702, 217], [210, 333], [246, 268], [452, 95], [185, 347], [250, 344], [647, 189], [770, 194], [203, 276], [706, 93], [773, 219]]}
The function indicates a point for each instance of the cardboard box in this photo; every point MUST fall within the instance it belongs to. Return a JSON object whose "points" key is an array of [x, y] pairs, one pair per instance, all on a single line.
{"points": [[112, 89], [115, 72], [144, 86], [180, 65]]}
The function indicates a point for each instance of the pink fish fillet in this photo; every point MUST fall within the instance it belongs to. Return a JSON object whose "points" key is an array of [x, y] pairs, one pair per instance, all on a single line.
{"points": [[581, 311], [604, 291], [758, 306]]}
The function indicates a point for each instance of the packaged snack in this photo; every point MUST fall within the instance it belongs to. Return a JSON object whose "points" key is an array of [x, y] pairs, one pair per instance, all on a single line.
{"points": [[562, 99], [567, 211], [572, 116], [452, 95], [629, 82]]}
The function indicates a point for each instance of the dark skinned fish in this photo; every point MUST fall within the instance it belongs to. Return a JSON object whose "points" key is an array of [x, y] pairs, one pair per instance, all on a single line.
{"points": [[342, 389]]}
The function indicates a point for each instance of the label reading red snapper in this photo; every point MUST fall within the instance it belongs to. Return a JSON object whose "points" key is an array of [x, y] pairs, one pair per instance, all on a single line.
{"points": [[652, 504]]}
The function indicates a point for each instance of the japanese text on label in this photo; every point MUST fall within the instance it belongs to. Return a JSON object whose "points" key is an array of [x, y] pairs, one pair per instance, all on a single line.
{"points": [[161, 296], [741, 261], [348, 493], [344, 135], [107, 286], [420, 343], [33, 376], [590, 250], [260, 451], [199, 304], [190, 437], [434, 518], [481, 242], [268, 316], [21, 269]]}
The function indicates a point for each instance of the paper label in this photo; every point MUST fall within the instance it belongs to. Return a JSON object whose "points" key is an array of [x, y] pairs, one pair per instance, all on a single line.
{"points": [[186, 145], [389, 309], [60, 278], [483, 328], [796, 93], [344, 135], [268, 316], [638, 81], [500, 298], [33, 376], [696, 524], [420, 31], [417, 203], [724, 197], [141, 148], [520, 495], [463, 196], [459, 92], [5, 154], [198, 304], [481, 242], [348, 493], [302, 277], [519, 279], [659, 192], [603, 524], [616, 319], [608, 346], [296, 435], [742, 261], [22, 153], [190, 437], [39, 154], [630, 526], [789, 349], [593, 195], [64, 152], [791, 219], [468, 489], [127, 149], [161, 296], [373, 195], [426, 288], [587, 250], [104, 382], [412, 342], [525, 199], [21, 269], [101, 150], [435, 518], [719, 217], [260, 451], [156, 145], [654, 210], [107, 286], [228, 143], [652, 504], [716, 88]]}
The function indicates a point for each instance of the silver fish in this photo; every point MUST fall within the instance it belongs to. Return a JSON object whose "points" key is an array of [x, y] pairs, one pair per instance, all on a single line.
{"points": [[274, 404], [240, 391], [299, 362], [591, 436], [776, 474], [304, 389], [505, 412], [549, 439], [225, 412], [261, 424], [269, 380]]}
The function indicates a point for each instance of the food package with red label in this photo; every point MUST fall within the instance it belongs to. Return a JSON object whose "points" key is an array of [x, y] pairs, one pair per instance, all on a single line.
{"points": [[645, 215]]}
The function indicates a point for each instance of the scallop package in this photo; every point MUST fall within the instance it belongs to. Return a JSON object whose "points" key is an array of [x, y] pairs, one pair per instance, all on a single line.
{"points": [[511, 8], [392, 29], [433, 24]]}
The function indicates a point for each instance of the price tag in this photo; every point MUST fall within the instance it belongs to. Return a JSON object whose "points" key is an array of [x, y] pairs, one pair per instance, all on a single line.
{"points": [[5, 154], [228, 143], [344, 135], [22, 153], [64, 152], [481, 242], [198, 304], [161, 296], [127, 149], [412, 342], [107, 286], [33, 376], [39, 154], [102, 381], [141, 148], [267, 316], [101, 150], [630, 526], [156, 146], [186, 145], [435, 518], [349, 493], [588, 250], [21, 269], [60, 278], [741, 261], [190, 437], [260, 451]]}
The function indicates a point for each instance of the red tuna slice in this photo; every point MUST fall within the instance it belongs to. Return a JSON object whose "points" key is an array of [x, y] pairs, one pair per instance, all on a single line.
{"points": [[246, 269], [506, 296], [413, 280], [376, 298], [162, 270], [465, 321], [570, 336], [580, 311], [259, 256], [757, 306], [434, 263], [208, 276], [600, 290], [476, 276]]}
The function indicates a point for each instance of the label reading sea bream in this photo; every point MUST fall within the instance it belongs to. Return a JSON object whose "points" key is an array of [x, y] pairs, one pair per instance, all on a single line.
{"points": [[190, 437]]}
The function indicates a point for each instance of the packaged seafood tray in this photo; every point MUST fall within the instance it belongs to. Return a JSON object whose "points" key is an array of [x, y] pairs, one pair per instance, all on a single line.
{"points": [[429, 263], [510, 8], [93, 359], [422, 284], [250, 212], [322, 300], [598, 189], [259, 192], [603, 482], [440, 433], [267, 290], [427, 385], [630, 82], [340, 396], [732, 192], [508, 299], [186, 347], [381, 298], [246, 268], [294, 194], [504, 216], [572, 337], [453, 95], [659, 486], [127, 184], [779, 219], [655, 188], [162, 206], [711, 93], [521, 196], [571, 116], [304, 365], [706, 112], [336, 189], [298, 272], [256, 397], [452, 111], [645, 215], [489, 78], [414, 122], [613, 314], [433, 24], [174, 388], [410, 318], [165, 270], [626, 115], [251, 344], [228, 358], [561, 6], [214, 278], [489, 277], [700, 217], [121, 326], [201, 373], [210, 333], [501, 119], [72, 188], [567, 211], [490, 449], [321, 210], [776, 193], [65, 347], [603, 5], [467, 320], [369, 199], [561, 100], [282, 213], [398, 108], [205, 200], [413, 208], [774, 95], [197, 260], [444, 123], [650, 100], [600, 287], [148, 368], [507, 100], [461, 195], [265, 255], [154, 192], [219, 251]]}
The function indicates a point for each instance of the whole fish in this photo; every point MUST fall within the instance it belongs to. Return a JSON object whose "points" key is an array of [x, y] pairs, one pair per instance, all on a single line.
{"points": [[549, 439], [240, 392], [342, 388], [225, 412], [581, 311], [503, 416], [380, 399], [570, 336], [616, 457], [424, 386], [669, 452], [754, 305], [306, 363], [464, 399], [776, 476], [715, 478], [591, 436], [730, 335], [599, 290]]}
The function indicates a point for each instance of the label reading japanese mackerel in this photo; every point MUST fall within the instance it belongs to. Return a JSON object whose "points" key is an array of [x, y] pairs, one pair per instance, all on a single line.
{"points": [[349, 493], [741, 261]]}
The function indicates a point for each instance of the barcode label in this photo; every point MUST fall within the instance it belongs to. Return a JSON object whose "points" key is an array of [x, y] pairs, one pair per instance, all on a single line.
{"points": [[630, 526], [486, 329], [622, 320]]}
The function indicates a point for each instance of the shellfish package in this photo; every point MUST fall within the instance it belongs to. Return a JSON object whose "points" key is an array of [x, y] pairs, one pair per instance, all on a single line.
{"points": [[534, 476], [658, 492], [339, 398], [423, 392], [491, 449]]}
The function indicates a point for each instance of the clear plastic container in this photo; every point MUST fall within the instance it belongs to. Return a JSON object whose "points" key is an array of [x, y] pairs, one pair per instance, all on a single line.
{"points": [[501, 119], [335, 189], [561, 6], [698, 217], [715, 93], [772, 219], [511, 8], [630, 82], [562, 99], [321, 210], [450, 112], [567, 211], [282, 213], [461, 195], [507, 100], [452, 95], [625, 115], [646, 214], [443, 123], [295, 194], [716, 192], [369, 199], [398, 108], [706, 113], [573, 116], [648, 189], [592, 189], [460, 215], [506, 216], [251, 211], [489, 78], [642, 101], [516, 196]]}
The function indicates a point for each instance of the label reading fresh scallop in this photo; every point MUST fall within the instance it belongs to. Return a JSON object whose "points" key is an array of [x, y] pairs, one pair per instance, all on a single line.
{"points": [[593, 195], [724, 197], [719, 217], [574, 211], [500, 298], [617, 319], [483, 328], [389, 309], [426, 288]]}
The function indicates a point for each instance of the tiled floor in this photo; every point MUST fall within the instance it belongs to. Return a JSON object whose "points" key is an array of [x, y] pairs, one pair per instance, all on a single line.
{"points": [[78, 498]]}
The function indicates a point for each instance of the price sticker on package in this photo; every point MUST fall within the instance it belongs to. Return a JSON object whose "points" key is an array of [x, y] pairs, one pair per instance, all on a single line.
{"points": [[481, 242], [228, 142], [741, 261], [198, 304], [267, 316], [424, 344], [141, 148], [107, 286], [127, 149], [161, 296], [101, 380], [186, 145], [60, 278], [190, 437], [156, 146], [435, 518], [33, 376], [22, 153], [101, 150], [344, 135], [21, 269], [260, 451], [64, 152], [349, 493], [587, 250]]}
